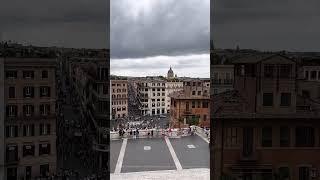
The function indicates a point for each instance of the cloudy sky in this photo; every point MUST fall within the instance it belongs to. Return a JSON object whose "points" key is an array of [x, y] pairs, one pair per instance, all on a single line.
{"points": [[71, 23], [266, 24], [147, 36]]}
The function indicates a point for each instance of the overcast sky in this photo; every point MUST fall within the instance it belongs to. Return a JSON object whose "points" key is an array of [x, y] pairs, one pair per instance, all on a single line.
{"points": [[71, 23], [266, 24], [147, 36]]}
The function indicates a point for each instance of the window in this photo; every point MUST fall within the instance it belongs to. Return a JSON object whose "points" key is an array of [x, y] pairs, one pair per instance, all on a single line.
{"points": [[305, 94], [12, 153], [44, 74], [215, 91], [285, 70], [44, 129], [199, 93], [306, 74], [193, 104], [193, 92], [204, 117], [268, 70], [304, 173], [28, 110], [12, 92], [205, 105], [158, 94], [28, 130], [44, 91], [44, 109], [11, 74], [267, 99], [163, 94], [44, 170], [28, 171], [284, 136], [11, 131], [28, 92], [158, 89], [284, 173], [28, 74], [305, 137], [232, 138], [44, 148], [194, 84], [313, 75], [11, 110], [28, 150], [199, 104], [105, 89], [285, 99], [266, 137], [215, 76]]}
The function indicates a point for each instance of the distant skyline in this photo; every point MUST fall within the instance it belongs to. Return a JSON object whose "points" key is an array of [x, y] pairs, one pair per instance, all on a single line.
{"points": [[189, 66], [147, 36]]}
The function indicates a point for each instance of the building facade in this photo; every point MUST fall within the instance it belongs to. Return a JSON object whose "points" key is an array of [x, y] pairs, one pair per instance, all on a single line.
{"points": [[172, 85], [90, 79], [119, 97], [222, 78], [29, 117], [264, 122], [191, 105], [152, 95]]}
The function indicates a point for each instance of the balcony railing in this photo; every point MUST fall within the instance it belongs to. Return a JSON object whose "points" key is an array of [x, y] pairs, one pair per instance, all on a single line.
{"points": [[12, 161], [31, 118]]}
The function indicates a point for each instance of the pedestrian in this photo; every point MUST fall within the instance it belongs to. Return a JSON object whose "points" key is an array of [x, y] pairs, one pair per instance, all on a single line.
{"points": [[151, 132]]}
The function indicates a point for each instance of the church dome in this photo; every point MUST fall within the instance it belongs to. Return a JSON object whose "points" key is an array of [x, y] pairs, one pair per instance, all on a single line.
{"points": [[170, 73]]}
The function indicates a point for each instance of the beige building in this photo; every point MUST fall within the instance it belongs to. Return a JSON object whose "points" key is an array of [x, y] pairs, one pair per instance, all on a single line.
{"points": [[29, 119], [172, 85], [119, 97], [152, 95]]}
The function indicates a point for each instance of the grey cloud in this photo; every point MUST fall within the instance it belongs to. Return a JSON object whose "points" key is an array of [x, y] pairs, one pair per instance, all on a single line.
{"points": [[266, 25], [72, 23], [170, 28]]}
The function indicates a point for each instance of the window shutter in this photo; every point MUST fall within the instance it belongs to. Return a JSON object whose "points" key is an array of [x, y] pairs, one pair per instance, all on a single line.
{"points": [[16, 131], [24, 92], [7, 131], [48, 128], [41, 129], [24, 130], [32, 92], [32, 110], [49, 92], [7, 111], [32, 130]]}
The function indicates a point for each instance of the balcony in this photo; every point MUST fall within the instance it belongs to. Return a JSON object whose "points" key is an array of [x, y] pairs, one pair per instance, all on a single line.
{"points": [[100, 147], [216, 81], [12, 162], [30, 118], [187, 112]]}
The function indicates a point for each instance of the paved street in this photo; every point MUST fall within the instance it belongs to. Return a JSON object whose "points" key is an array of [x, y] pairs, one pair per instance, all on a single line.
{"points": [[154, 154]]}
